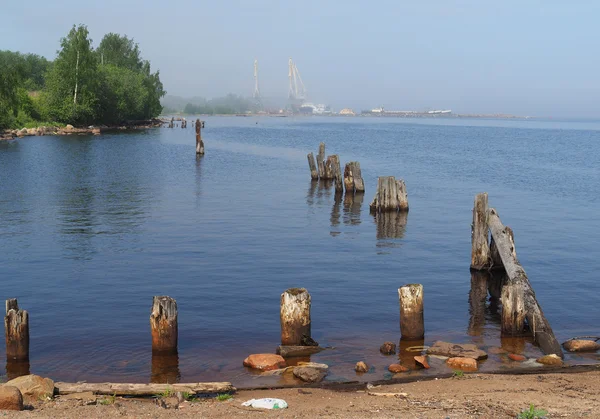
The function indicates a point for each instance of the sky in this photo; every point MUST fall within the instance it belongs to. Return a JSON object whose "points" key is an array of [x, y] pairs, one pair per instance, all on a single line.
{"points": [[534, 57]]}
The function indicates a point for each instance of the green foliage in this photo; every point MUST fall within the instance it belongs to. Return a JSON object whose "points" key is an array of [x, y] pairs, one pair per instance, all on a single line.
{"points": [[167, 393], [532, 413], [120, 51], [224, 397], [458, 374], [108, 400]]}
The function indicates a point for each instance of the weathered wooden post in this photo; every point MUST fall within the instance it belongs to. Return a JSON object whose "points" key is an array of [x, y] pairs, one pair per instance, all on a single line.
{"points": [[480, 250], [333, 163], [314, 174], [412, 324], [163, 324], [513, 309], [199, 143], [172, 123], [477, 299], [295, 316], [353, 180], [16, 324], [321, 160], [328, 175], [517, 278], [390, 196]]}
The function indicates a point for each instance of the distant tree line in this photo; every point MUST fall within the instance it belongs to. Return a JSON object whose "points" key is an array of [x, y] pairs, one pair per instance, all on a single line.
{"points": [[82, 86], [227, 105]]}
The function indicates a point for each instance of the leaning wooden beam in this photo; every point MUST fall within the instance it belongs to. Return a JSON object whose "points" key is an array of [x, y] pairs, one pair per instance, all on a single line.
{"points": [[16, 326], [480, 250], [539, 325], [314, 174], [122, 389]]}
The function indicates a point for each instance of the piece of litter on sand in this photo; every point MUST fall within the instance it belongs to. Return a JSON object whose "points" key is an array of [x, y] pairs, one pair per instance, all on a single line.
{"points": [[372, 393], [266, 403]]}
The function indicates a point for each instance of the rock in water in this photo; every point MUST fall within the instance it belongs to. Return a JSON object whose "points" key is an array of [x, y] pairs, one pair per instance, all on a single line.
{"points": [[517, 357], [422, 362], [310, 374], [396, 368], [10, 398], [550, 360], [581, 345], [361, 367], [455, 350], [265, 362], [464, 364], [33, 386], [388, 348]]}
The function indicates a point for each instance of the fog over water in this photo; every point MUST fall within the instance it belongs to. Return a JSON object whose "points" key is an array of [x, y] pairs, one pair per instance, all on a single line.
{"points": [[525, 58]]}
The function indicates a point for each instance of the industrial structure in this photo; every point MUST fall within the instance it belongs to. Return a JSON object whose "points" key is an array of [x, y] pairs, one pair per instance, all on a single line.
{"points": [[256, 94]]}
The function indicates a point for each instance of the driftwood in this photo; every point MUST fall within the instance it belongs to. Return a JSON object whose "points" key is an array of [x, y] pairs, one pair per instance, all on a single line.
{"points": [[353, 180], [16, 326], [294, 316], [537, 322], [314, 174], [120, 389], [480, 250], [390, 196]]}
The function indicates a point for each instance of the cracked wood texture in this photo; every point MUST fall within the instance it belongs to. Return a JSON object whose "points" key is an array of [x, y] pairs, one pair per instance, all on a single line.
{"points": [[480, 249], [163, 324], [294, 316], [412, 324], [16, 326]]}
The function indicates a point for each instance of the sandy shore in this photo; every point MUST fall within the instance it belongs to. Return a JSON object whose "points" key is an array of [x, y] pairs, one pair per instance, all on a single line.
{"points": [[562, 395]]}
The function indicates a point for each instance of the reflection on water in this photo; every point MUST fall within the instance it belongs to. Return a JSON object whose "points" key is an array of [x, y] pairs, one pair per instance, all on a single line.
{"points": [[165, 369], [352, 207], [16, 369], [408, 349], [477, 302], [336, 212], [390, 225]]}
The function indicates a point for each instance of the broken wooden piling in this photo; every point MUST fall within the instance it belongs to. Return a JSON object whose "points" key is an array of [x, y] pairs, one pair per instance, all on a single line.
{"points": [[314, 174], [391, 195], [412, 324], [172, 123], [321, 160], [353, 181], [16, 326], [295, 316], [333, 164], [480, 249], [518, 282], [163, 324], [199, 143]]}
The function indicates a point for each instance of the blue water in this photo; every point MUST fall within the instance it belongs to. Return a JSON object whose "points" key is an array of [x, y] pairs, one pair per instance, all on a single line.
{"points": [[92, 227]]}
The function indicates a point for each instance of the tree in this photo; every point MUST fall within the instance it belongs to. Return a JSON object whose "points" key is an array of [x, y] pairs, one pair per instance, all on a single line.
{"points": [[73, 83], [120, 51]]}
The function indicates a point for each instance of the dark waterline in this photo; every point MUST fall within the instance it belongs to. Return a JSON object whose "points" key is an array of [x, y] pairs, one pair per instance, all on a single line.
{"points": [[92, 227]]}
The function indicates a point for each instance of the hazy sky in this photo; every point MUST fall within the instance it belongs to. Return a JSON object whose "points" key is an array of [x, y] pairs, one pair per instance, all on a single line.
{"points": [[522, 57]]}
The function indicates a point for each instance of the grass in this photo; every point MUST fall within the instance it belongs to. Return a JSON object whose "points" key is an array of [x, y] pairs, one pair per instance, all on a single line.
{"points": [[458, 374], [108, 400], [224, 397], [532, 413], [167, 393], [188, 396]]}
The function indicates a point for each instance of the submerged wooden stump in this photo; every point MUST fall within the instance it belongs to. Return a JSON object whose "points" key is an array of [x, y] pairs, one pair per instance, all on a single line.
{"points": [[480, 250], [513, 309], [537, 322], [333, 163], [199, 143], [321, 161], [353, 181], [16, 326], [412, 324], [328, 167], [314, 174], [163, 324], [295, 316], [391, 195]]}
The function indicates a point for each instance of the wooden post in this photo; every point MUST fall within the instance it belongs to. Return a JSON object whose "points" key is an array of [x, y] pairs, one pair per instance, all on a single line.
{"points": [[199, 143], [480, 250], [333, 169], [513, 309], [328, 175], [163, 323], [314, 174], [353, 180], [321, 160], [295, 316], [411, 311], [390, 196], [172, 123], [537, 322], [16, 324]]}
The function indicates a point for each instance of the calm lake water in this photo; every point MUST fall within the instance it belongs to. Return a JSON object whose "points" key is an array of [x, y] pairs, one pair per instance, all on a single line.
{"points": [[92, 227]]}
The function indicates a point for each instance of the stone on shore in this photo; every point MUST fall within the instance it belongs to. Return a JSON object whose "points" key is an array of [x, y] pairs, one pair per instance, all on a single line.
{"points": [[552, 359], [33, 386], [517, 357], [264, 362], [397, 368], [10, 398], [455, 350], [310, 374], [388, 348], [460, 363], [581, 345], [69, 127], [422, 362], [361, 367]]}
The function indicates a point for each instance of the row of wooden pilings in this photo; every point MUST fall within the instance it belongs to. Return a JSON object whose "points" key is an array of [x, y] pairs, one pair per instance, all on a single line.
{"points": [[493, 247], [198, 125], [391, 194]]}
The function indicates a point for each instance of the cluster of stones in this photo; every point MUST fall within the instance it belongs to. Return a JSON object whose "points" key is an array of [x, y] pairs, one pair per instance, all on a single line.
{"points": [[40, 131], [272, 364], [28, 388]]}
